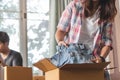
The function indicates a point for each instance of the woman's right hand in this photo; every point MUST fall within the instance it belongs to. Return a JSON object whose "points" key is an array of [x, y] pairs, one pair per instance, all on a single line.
{"points": [[63, 43]]}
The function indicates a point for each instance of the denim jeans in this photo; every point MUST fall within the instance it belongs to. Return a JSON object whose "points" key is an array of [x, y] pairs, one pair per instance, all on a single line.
{"points": [[74, 53]]}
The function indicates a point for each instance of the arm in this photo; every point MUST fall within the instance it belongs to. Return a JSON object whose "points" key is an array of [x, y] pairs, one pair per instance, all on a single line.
{"points": [[64, 24], [107, 43], [105, 51], [60, 37]]}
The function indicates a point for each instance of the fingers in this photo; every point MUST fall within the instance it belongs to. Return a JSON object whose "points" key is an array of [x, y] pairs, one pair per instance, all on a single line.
{"points": [[63, 43], [96, 59]]}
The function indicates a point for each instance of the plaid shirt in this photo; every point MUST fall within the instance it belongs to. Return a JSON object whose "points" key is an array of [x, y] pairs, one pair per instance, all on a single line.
{"points": [[71, 22]]}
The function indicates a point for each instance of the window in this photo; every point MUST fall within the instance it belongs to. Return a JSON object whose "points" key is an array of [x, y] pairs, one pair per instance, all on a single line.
{"points": [[9, 21], [26, 22], [37, 30]]}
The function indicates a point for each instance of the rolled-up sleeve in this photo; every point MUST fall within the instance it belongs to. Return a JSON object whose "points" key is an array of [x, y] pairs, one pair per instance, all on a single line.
{"points": [[64, 23], [107, 37]]}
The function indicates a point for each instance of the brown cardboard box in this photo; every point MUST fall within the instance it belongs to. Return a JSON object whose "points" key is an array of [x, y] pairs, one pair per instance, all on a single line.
{"points": [[16, 73], [38, 77], [86, 71], [1, 73]]}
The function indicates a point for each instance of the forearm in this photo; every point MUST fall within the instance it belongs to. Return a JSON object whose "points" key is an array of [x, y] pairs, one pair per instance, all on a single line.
{"points": [[108, 39], [60, 35], [105, 51]]}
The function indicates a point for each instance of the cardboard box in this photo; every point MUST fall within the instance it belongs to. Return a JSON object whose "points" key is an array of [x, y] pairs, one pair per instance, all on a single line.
{"points": [[38, 77], [16, 73], [85, 71], [1, 73]]}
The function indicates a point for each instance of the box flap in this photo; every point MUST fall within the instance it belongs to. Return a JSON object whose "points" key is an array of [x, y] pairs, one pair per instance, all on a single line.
{"points": [[44, 65], [86, 66]]}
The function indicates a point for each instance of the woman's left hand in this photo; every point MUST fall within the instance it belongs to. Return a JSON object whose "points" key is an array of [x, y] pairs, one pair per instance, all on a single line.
{"points": [[97, 59]]}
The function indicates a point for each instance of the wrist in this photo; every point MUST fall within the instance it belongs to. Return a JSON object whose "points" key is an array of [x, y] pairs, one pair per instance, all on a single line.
{"points": [[59, 41], [102, 59]]}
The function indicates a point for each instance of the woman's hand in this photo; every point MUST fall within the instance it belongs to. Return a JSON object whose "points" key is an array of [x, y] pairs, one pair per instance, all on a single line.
{"points": [[62, 43], [98, 59]]}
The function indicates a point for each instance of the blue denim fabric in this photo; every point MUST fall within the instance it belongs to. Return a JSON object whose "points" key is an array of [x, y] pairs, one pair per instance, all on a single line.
{"points": [[74, 53], [107, 75]]}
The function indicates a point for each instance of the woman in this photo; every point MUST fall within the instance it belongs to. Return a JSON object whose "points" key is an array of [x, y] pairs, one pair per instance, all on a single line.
{"points": [[84, 32]]}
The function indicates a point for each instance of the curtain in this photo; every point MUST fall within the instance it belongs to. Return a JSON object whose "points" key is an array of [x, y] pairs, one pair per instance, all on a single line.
{"points": [[56, 9]]}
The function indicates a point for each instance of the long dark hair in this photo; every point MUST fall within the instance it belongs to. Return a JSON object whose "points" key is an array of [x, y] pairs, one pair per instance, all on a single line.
{"points": [[107, 10]]}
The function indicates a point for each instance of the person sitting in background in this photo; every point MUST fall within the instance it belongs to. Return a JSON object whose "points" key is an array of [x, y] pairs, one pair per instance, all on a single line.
{"points": [[8, 57]]}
